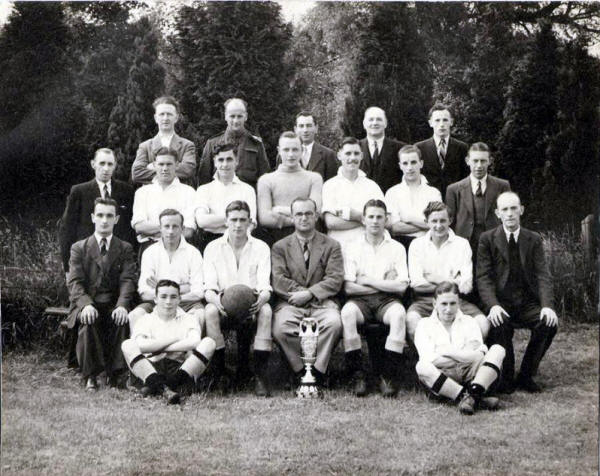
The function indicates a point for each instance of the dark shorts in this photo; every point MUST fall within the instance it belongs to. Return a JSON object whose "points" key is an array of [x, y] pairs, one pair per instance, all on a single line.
{"points": [[423, 305], [374, 306]]}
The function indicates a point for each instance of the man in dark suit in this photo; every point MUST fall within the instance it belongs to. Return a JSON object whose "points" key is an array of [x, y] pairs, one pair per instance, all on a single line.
{"points": [[166, 115], [307, 273], [515, 286], [101, 283], [250, 151], [75, 223], [380, 154], [443, 156]]}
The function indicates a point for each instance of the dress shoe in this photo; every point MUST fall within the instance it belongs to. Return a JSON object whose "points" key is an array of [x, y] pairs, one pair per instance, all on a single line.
{"points": [[261, 389], [172, 398], [467, 404], [91, 384], [489, 403], [527, 384], [359, 384], [387, 387]]}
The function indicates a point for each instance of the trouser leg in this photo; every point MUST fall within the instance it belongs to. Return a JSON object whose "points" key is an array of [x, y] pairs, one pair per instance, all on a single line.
{"points": [[285, 332], [503, 336], [330, 331], [90, 354]]}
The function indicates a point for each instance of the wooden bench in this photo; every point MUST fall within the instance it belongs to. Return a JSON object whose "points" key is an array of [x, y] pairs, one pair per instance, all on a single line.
{"points": [[61, 313]]}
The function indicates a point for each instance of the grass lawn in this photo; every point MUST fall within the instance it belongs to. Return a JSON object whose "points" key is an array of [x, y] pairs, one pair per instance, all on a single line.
{"points": [[51, 425]]}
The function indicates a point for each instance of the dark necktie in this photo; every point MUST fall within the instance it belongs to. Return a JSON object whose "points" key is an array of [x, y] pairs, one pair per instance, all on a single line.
{"points": [[106, 192], [103, 247], [375, 154], [306, 254], [512, 245], [479, 192], [442, 152]]}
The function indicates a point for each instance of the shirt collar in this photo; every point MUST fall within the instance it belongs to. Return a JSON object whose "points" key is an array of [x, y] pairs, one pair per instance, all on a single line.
{"points": [[386, 238], [102, 184], [182, 243], [234, 180], [451, 236], [459, 317], [424, 181], [304, 240], [361, 174], [174, 182], [516, 233], [438, 139], [474, 182], [99, 239]]}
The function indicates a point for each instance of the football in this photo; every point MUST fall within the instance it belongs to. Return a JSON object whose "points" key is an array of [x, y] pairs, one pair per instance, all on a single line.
{"points": [[236, 301]]}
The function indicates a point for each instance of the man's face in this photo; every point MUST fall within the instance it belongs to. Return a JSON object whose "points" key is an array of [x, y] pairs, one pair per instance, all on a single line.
{"points": [[104, 218], [374, 220], [165, 166], [167, 299], [304, 216], [165, 116], [235, 116], [306, 129], [237, 222], [171, 228], [441, 122], [375, 122], [439, 223], [446, 305], [350, 156], [225, 164], [290, 151], [104, 166], [478, 161], [509, 211], [411, 166]]}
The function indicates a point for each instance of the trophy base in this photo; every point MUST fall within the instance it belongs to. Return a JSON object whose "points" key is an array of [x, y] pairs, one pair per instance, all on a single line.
{"points": [[308, 391]]}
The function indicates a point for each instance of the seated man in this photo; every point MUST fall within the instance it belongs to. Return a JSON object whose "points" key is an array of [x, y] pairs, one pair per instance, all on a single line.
{"points": [[165, 192], [407, 200], [166, 351], [453, 361], [439, 256], [237, 258], [175, 259], [376, 277], [276, 190], [101, 282], [212, 198], [515, 287], [308, 272], [345, 195]]}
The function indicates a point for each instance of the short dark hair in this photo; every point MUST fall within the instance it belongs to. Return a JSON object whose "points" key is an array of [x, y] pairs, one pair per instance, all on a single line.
{"points": [[374, 202], [166, 100], [223, 148], [288, 135], [111, 202], [168, 212], [445, 287], [167, 151], [302, 199], [434, 207], [162, 283], [105, 150], [305, 114], [237, 205], [479, 147], [348, 140], [410, 149], [438, 106]]}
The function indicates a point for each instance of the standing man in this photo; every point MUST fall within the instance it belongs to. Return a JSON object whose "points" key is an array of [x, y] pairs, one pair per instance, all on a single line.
{"points": [[165, 192], [345, 195], [276, 190], [308, 272], [471, 201], [407, 200], [443, 156], [516, 289], [166, 115], [376, 277], [439, 255], [380, 153], [251, 155], [238, 258], [75, 223], [101, 283], [212, 198]]}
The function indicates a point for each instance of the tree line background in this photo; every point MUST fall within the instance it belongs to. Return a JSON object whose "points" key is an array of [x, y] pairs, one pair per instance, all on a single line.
{"points": [[78, 76]]}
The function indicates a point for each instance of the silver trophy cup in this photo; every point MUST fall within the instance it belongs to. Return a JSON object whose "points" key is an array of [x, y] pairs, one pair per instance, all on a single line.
{"points": [[309, 334]]}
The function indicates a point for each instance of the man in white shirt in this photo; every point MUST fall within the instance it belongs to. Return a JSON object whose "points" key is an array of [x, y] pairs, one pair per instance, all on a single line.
{"points": [[345, 195], [165, 192], [407, 200], [166, 350], [453, 361], [173, 258], [212, 198], [439, 256], [376, 277], [237, 258]]}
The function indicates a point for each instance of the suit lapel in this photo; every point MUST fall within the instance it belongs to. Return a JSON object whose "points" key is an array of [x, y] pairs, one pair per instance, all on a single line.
{"points": [[366, 162], [433, 153], [523, 248], [315, 255], [156, 145], [501, 243], [466, 196], [296, 255], [93, 251], [315, 157], [490, 191], [113, 252]]}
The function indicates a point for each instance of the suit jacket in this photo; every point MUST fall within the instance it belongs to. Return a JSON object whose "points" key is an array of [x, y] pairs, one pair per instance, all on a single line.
{"points": [[252, 159], [76, 223], [388, 173], [493, 266], [455, 167], [85, 274], [146, 153], [459, 199], [322, 160], [325, 274]]}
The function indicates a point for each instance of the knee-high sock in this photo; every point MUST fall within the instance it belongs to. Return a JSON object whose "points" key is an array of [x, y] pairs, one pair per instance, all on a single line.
{"points": [[490, 369], [437, 382], [197, 362]]}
